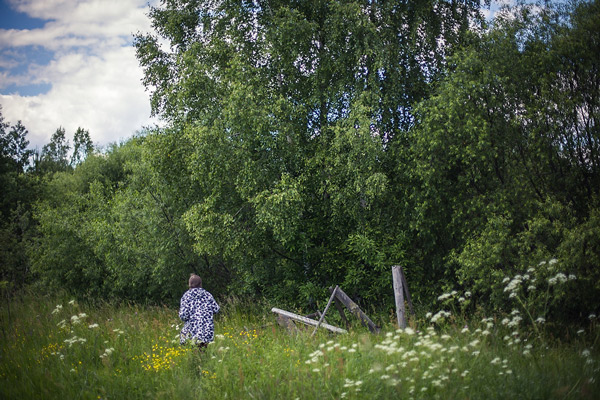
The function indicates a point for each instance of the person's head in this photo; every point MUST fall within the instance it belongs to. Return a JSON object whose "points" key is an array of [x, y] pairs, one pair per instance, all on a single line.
{"points": [[195, 281]]}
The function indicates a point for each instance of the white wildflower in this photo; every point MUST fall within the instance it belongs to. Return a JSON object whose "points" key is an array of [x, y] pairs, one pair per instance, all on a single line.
{"points": [[440, 316], [444, 296], [92, 326], [585, 353]]}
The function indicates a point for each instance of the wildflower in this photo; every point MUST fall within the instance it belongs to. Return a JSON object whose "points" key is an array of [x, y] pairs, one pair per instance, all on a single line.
{"points": [[464, 373], [475, 353], [444, 296], [526, 352], [513, 285], [428, 315], [440, 316], [553, 261], [72, 302], [540, 320], [572, 277], [92, 326], [592, 316], [57, 309], [515, 321], [585, 353], [579, 332], [531, 288], [495, 361], [467, 294], [465, 330]]}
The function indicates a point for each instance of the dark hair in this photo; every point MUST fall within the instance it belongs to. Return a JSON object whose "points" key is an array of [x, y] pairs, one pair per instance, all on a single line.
{"points": [[195, 281]]}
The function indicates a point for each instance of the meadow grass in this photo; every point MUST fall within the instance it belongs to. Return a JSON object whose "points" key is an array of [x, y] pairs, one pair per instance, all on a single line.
{"points": [[56, 348]]}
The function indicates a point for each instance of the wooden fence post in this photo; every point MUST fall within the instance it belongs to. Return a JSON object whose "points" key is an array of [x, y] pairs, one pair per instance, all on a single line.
{"points": [[355, 309], [325, 311], [399, 296], [338, 305]]}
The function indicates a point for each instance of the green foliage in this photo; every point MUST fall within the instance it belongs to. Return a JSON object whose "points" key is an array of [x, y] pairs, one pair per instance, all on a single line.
{"points": [[501, 180], [309, 144]]}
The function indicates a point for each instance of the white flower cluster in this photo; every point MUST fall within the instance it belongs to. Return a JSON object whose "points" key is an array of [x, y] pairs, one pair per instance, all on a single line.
{"points": [[77, 319], [57, 309], [446, 296], [74, 340], [107, 352], [440, 316], [514, 322], [119, 332], [327, 347]]}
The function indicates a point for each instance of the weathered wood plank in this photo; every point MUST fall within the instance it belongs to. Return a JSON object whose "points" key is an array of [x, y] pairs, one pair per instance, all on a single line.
{"points": [[405, 286], [340, 308], [399, 296], [307, 321], [325, 311], [355, 309]]}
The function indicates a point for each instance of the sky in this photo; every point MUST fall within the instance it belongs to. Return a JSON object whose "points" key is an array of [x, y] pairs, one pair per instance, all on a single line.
{"points": [[70, 64]]}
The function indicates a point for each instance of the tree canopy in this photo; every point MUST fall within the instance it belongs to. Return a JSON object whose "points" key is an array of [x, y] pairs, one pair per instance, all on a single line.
{"points": [[309, 144]]}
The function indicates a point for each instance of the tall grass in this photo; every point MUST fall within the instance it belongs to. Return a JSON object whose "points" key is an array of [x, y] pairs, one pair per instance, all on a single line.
{"points": [[56, 348]]}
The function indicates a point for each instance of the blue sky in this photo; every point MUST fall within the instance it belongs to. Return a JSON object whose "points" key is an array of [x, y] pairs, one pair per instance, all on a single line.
{"points": [[70, 63]]}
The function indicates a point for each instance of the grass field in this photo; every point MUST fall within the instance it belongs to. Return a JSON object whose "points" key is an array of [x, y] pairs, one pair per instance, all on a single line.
{"points": [[56, 348]]}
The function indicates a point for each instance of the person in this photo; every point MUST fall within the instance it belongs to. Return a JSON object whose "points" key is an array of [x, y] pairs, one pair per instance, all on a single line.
{"points": [[196, 310]]}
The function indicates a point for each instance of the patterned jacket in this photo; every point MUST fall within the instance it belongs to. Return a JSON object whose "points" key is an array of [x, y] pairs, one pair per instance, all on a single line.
{"points": [[196, 311]]}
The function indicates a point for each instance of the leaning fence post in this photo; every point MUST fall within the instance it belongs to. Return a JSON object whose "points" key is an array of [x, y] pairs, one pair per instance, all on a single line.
{"points": [[325, 311], [399, 296]]}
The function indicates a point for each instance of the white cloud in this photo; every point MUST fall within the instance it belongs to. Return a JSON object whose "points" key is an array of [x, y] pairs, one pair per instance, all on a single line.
{"points": [[95, 77]]}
